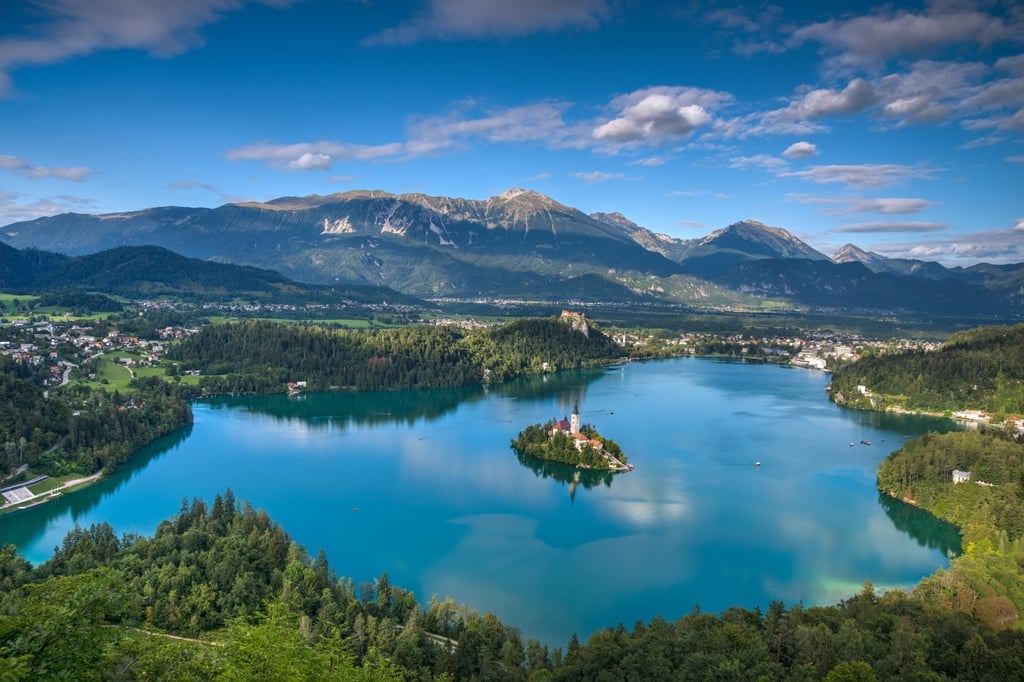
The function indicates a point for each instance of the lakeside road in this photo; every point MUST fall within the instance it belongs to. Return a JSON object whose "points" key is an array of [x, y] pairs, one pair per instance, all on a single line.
{"points": [[52, 493]]}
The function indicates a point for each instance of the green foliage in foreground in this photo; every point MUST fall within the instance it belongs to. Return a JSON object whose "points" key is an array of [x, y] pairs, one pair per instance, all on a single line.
{"points": [[253, 605], [261, 357], [978, 369], [988, 580]]}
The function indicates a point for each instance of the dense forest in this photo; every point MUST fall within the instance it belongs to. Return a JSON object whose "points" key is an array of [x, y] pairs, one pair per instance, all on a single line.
{"points": [[83, 430], [261, 357], [980, 369], [987, 581], [251, 604]]}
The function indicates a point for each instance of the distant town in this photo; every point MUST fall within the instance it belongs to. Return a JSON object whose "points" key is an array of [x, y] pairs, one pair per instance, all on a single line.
{"points": [[55, 347]]}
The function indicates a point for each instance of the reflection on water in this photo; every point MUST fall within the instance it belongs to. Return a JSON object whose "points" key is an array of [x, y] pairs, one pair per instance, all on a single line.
{"points": [[565, 473], [24, 526], [344, 408], [928, 530], [444, 509]]}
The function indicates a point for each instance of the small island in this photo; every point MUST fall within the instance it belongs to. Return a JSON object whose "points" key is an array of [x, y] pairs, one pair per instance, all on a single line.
{"points": [[568, 441]]}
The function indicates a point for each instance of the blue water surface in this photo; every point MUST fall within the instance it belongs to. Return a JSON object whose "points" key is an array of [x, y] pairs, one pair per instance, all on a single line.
{"points": [[423, 485]]}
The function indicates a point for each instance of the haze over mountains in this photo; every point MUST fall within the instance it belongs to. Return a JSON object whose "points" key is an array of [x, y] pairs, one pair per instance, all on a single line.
{"points": [[521, 243]]}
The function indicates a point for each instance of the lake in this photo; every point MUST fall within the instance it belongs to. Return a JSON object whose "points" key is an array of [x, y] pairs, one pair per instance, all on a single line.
{"points": [[423, 485]]}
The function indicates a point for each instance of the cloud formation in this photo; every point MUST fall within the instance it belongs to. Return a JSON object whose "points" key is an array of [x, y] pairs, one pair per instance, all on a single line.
{"points": [[872, 40], [75, 28], [800, 150], [863, 175], [14, 209], [654, 115], [846, 206], [542, 123], [890, 227], [29, 170], [994, 246], [598, 176], [476, 19]]}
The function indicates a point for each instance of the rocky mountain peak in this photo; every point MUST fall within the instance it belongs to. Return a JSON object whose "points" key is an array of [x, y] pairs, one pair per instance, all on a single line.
{"points": [[616, 219], [851, 253]]}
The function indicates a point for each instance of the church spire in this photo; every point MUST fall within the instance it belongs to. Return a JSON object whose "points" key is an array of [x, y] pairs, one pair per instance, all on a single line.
{"points": [[574, 424]]}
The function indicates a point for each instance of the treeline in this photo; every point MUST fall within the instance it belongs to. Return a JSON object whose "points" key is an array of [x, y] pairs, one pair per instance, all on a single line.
{"points": [[262, 608], [987, 581], [980, 369], [261, 357], [83, 430]]}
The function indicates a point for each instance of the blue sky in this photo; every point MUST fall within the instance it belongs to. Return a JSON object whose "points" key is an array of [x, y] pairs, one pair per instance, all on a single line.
{"points": [[898, 127]]}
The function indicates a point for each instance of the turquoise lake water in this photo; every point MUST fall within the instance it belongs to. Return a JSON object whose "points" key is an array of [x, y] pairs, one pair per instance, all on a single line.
{"points": [[424, 486]]}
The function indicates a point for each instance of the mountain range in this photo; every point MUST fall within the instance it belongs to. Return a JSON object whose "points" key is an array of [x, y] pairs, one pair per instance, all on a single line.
{"points": [[153, 272], [527, 245]]}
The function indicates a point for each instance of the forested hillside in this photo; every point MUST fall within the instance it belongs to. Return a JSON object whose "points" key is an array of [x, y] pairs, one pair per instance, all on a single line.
{"points": [[82, 430], [988, 580], [980, 369], [262, 608], [258, 356]]}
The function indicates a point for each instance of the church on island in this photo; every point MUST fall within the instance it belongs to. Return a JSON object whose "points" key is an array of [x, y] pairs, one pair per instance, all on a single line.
{"points": [[571, 428]]}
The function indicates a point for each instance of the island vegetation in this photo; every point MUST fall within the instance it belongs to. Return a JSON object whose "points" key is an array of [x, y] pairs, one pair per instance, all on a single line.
{"points": [[590, 450]]}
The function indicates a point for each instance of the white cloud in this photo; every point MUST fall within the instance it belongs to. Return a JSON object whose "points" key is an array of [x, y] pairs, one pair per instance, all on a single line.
{"points": [[461, 19], [302, 155], [14, 208], [541, 122], [649, 116], [1019, 225], [311, 161], [650, 162], [857, 96], [29, 170], [765, 161], [654, 115], [848, 205], [890, 205], [891, 226], [863, 175], [76, 28], [802, 114], [986, 141], [993, 246], [1014, 64], [598, 176], [1014, 159], [800, 150], [870, 41]]}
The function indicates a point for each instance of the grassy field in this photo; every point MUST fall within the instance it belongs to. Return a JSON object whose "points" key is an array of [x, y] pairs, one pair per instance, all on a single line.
{"points": [[113, 376]]}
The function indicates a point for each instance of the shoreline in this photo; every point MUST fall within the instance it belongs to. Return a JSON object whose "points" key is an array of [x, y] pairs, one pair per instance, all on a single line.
{"points": [[53, 493]]}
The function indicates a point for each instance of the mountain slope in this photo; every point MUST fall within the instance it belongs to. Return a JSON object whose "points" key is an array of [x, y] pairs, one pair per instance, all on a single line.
{"points": [[413, 242], [744, 241], [150, 271], [822, 283], [525, 245]]}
